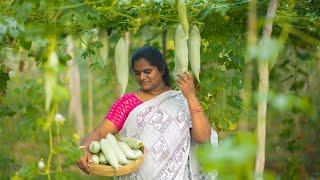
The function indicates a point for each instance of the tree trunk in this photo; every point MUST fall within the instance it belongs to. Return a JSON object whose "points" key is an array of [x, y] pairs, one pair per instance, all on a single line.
{"points": [[90, 101], [247, 81], [164, 44], [75, 106], [263, 93]]}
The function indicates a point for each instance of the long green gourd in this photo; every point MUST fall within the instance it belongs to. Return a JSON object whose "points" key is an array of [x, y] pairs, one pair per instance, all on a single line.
{"points": [[95, 159], [122, 64], [194, 43], [109, 153], [182, 13], [120, 155], [131, 142], [127, 150], [102, 158], [94, 147], [181, 51]]}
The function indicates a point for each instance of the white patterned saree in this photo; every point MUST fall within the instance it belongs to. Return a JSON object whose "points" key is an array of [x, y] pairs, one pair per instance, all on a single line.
{"points": [[163, 124]]}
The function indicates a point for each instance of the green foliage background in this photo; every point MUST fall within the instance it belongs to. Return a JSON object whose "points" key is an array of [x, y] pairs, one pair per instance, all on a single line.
{"points": [[293, 110]]}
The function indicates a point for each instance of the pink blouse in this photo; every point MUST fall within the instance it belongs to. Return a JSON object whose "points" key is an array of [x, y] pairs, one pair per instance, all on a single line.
{"points": [[120, 109]]}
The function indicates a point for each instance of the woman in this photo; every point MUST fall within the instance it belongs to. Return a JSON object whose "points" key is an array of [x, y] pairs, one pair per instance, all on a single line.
{"points": [[164, 119]]}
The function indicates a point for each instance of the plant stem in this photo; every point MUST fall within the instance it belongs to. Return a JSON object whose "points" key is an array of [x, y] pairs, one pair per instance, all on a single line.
{"points": [[59, 169], [50, 118]]}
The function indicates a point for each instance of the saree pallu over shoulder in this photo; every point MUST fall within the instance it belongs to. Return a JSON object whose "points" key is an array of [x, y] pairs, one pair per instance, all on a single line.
{"points": [[163, 124]]}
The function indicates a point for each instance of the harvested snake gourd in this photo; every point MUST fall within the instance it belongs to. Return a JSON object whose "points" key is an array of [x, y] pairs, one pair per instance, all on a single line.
{"points": [[138, 153], [127, 150], [94, 147], [131, 142], [109, 153], [95, 159], [102, 158], [120, 155], [181, 51], [182, 12], [194, 43], [116, 157], [122, 64]]}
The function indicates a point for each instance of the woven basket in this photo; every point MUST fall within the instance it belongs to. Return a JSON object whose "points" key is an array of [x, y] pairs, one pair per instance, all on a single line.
{"points": [[107, 170]]}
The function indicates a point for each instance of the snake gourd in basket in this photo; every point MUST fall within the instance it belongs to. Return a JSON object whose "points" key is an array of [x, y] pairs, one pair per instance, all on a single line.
{"points": [[116, 151]]}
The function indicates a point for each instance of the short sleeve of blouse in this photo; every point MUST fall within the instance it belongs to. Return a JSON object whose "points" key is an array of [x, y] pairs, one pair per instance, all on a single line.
{"points": [[121, 108]]}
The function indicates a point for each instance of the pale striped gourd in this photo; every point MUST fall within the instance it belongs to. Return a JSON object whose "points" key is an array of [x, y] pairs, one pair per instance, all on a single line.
{"points": [[94, 147], [138, 153], [102, 158], [181, 51], [194, 43], [103, 51], [95, 158], [127, 150], [131, 142], [182, 13], [122, 64], [120, 155], [109, 153]]}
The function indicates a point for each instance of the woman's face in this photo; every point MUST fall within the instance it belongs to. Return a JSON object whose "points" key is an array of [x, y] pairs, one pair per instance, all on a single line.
{"points": [[148, 77]]}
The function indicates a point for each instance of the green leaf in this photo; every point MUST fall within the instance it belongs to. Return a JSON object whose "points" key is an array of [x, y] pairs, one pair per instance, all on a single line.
{"points": [[297, 85], [237, 151], [28, 171], [63, 57], [25, 44], [4, 78], [5, 111], [70, 152]]}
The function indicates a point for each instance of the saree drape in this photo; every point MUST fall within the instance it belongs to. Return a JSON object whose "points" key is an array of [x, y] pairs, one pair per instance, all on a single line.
{"points": [[163, 124]]}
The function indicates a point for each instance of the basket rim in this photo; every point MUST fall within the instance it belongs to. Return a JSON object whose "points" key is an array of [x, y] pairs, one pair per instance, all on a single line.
{"points": [[108, 170]]}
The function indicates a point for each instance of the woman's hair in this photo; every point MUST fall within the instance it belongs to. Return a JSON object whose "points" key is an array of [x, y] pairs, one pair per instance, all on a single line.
{"points": [[154, 58]]}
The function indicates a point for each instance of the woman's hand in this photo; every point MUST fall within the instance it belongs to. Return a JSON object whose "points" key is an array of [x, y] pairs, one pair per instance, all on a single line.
{"points": [[99, 132], [83, 162], [186, 85]]}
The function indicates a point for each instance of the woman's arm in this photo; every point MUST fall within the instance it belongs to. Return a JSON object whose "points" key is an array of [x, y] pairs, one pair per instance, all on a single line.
{"points": [[98, 133], [113, 122], [201, 128]]}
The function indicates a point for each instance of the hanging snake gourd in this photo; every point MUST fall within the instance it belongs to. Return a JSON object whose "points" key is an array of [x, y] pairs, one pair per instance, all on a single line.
{"points": [[122, 64], [182, 13], [181, 51], [194, 43]]}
